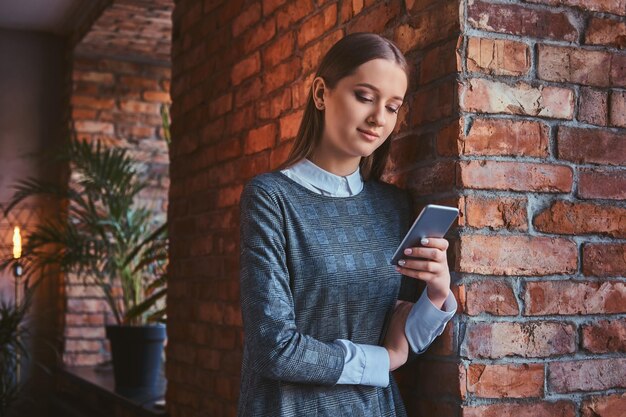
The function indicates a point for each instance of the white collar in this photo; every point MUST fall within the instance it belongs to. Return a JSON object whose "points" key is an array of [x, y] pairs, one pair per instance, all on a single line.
{"points": [[325, 180]]}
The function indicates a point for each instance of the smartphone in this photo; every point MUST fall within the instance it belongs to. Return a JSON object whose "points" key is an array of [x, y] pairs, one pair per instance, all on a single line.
{"points": [[433, 221]]}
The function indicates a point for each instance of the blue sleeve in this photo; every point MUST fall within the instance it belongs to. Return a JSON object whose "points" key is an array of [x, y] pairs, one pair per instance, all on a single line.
{"points": [[425, 321], [364, 364], [277, 349]]}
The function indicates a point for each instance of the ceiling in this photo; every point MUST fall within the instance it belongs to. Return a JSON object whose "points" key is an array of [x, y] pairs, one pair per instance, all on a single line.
{"points": [[52, 16]]}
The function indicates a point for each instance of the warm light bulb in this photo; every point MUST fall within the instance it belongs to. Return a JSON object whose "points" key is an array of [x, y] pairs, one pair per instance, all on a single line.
{"points": [[17, 243]]}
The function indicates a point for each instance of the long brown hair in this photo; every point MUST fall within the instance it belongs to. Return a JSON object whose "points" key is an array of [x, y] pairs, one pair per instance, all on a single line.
{"points": [[342, 60]]}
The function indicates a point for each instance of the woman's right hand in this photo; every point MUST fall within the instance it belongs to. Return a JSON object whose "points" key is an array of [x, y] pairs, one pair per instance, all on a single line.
{"points": [[396, 342]]}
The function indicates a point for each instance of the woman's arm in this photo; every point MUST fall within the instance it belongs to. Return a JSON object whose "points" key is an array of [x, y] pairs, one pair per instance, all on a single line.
{"points": [[277, 349]]}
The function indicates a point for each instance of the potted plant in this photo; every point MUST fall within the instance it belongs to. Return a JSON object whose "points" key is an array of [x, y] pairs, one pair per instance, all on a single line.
{"points": [[12, 349], [104, 237]]}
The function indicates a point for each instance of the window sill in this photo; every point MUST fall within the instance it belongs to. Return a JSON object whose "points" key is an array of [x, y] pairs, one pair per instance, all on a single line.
{"points": [[90, 391]]}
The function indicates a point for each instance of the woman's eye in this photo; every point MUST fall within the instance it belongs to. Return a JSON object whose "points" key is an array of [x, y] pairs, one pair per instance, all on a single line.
{"points": [[363, 99], [368, 100]]}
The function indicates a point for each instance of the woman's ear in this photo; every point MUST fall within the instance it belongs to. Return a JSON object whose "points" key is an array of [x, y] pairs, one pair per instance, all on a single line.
{"points": [[318, 92]]}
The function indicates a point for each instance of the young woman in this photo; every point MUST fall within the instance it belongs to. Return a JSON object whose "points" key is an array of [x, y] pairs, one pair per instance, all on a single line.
{"points": [[326, 316]]}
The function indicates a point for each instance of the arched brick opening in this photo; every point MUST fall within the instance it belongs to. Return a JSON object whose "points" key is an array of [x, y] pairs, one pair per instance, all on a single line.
{"points": [[120, 80]]}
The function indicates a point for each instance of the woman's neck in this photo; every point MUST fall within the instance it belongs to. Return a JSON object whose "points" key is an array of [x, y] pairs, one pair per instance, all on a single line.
{"points": [[335, 165]]}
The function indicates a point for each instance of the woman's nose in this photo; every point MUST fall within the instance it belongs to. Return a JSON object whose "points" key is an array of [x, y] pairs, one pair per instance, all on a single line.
{"points": [[378, 116]]}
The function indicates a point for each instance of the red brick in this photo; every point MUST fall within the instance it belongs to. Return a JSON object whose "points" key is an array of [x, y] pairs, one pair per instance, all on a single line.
{"points": [[433, 103], [443, 377], [273, 107], [538, 409], [592, 106], [617, 74], [279, 154], [279, 50], [604, 260], [574, 298], [415, 6], [293, 13], [492, 297], [438, 62], [564, 217], [312, 55], [89, 126], [448, 139], [209, 358], [591, 146], [245, 68], [581, 66], [157, 96], [617, 116], [289, 125], [84, 332], [82, 359], [83, 114], [505, 381], [87, 305], [528, 340], [260, 138], [602, 183], [242, 119], [270, 5], [281, 74], [251, 165], [83, 291], [506, 137], [249, 91], [517, 255], [515, 176], [496, 212], [134, 106], [102, 78], [220, 106], [587, 375], [404, 152], [610, 6], [139, 83], [93, 103], [604, 406], [87, 319], [429, 179], [250, 15], [497, 56], [376, 18], [520, 20], [604, 336], [435, 24], [610, 32], [481, 95], [258, 35], [80, 345], [317, 25]]}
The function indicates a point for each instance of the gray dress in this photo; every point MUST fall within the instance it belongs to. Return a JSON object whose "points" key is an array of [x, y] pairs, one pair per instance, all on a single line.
{"points": [[315, 268]]}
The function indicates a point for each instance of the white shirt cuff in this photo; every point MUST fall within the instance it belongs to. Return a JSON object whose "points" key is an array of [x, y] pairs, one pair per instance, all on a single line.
{"points": [[364, 364], [425, 321]]}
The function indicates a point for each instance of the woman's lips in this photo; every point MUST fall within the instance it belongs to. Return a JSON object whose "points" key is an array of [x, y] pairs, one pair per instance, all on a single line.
{"points": [[368, 136]]}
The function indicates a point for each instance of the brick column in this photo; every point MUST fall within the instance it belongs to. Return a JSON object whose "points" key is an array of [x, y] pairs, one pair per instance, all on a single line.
{"points": [[490, 126], [542, 148]]}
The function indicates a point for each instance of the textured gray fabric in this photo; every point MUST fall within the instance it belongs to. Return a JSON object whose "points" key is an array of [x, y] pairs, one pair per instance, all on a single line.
{"points": [[315, 268]]}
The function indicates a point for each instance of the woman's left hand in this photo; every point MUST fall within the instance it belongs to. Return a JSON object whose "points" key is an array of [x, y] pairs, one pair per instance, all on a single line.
{"points": [[429, 263]]}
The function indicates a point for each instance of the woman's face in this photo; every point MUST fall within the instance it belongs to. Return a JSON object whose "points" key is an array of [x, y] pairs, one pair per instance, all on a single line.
{"points": [[361, 111]]}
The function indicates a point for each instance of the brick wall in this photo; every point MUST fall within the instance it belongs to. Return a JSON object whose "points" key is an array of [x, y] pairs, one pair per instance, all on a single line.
{"points": [[486, 128], [120, 79], [542, 149], [117, 102]]}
